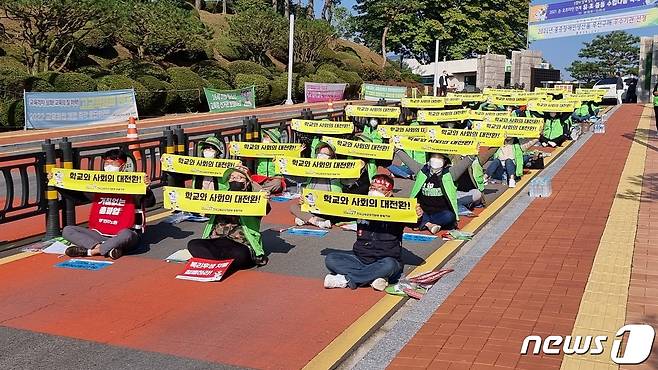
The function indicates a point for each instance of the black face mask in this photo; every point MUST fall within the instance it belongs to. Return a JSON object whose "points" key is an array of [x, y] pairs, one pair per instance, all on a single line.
{"points": [[236, 185]]}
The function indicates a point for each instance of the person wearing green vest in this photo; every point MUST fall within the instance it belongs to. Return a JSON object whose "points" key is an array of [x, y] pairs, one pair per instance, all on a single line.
{"points": [[266, 175], [208, 148], [437, 195], [410, 161], [655, 105], [509, 159], [470, 184], [324, 151], [556, 128], [232, 237], [370, 130]]}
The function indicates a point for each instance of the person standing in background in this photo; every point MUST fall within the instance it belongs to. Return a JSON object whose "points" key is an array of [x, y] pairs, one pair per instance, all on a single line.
{"points": [[443, 84], [620, 88]]}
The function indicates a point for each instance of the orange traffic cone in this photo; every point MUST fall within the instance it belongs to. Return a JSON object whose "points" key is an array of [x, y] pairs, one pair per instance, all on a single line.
{"points": [[132, 135]]}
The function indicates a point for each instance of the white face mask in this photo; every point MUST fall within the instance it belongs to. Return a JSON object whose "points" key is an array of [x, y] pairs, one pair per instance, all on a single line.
{"points": [[111, 168], [373, 123], [376, 193], [209, 153], [323, 156], [436, 163]]}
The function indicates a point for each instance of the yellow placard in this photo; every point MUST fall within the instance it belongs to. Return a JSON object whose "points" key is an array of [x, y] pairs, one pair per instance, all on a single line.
{"points": [[550, 106], [388, 131], [196, 165], [264, 150], [98, 181], [600, 92], [322, 127], [372, 111], [521, 127], [484, 137], [481, 115], [443, 115], [499, 92], [426, 103], [233, 203], [551, 90], [510, 100], [462, 146], [322, 168], [360, 149], [468, 97], [579, 98], [360, 206], [451, 100]]}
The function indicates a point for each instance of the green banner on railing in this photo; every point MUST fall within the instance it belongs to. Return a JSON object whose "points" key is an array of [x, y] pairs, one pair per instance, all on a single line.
{"points": [[230, 100]]}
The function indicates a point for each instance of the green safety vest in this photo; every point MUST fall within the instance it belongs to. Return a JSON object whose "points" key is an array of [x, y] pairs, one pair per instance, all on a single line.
{"points": [[477, 174], [448, 185], [417, 155], [553, 128], [655, 101], [518, 159]]}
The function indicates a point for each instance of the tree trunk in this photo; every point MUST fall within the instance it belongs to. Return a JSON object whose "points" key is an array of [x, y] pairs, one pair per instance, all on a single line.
{"points": [[197, 4], [223, 6], [384, 46], [330, 11], [310, 10], [325, 9], [275, 6], [286, 8]]}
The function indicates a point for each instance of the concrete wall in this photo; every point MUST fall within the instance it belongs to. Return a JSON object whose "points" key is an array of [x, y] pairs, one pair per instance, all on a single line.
{"points": [[490, 71], [522, 62], [645, 81]]}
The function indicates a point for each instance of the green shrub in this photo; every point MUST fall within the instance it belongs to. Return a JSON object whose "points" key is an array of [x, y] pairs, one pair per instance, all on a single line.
{"points": [[11, 113], [134, 69], [37, 84], [97, 39], [173, 100], [225, 47], [353, 81], [73, 81], [219, 84], [146, 101], [372, 72], [324, 77], [392, 73], [280, 88], [189, 86], [303, 69], [49, 76], [347, 53], [13, 65], [211, 69], [158, 90], [12, 84], [329, 68], [93, 71], [408, 76], [247, 67], [262, 85], [353, 65]]}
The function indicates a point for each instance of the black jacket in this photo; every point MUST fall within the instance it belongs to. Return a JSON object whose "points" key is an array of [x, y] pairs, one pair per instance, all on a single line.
{"points": [[378, 239]]}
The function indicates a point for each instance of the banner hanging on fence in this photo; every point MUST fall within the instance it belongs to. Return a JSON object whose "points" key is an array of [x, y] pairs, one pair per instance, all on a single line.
{"points": [[322, 127], [322, 168], [196, 165], [388, 131], [234, 203], [230, 100], [360, 206], [468, 97], [58, 109], [484, 137], [360, 149], [443, 115], [263, 150], [98, 181], [372, 111], [550, 106], [426, 103], [376, 92], [462, 146], [315, 92]]}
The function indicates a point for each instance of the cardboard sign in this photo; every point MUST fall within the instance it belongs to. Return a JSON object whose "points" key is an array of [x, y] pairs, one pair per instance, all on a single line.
{"points": [[372, 111], [443, 115], [98, 181], [360, 149], [468, 97], [481, 115], [196, 165], [425, 103], [235, 203], [360, 206], [320, 168], [199, 269], [484, 137], [388, 131], [264, 150], [550, 106], [443, 146]]}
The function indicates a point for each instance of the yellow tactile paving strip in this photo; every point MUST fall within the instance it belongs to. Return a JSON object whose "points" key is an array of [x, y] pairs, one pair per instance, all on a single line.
{"points": [[603, 306]]}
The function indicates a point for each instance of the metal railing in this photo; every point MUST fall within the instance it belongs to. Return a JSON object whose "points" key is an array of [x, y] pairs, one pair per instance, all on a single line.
{"points": [[24, 177]]}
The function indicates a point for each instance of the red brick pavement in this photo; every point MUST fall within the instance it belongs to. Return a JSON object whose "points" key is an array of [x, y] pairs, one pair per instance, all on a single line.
{"points": [[533, 278]]}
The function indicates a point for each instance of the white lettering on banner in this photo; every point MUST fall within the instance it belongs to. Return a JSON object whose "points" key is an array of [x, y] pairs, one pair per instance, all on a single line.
{"points": [[637, 349]]}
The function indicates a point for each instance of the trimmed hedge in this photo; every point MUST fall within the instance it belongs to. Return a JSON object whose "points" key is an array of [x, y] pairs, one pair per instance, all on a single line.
{"points": [[353, 65], [145, 100], [12, 65], [225, 48], [37, 84], [279, 86], [190, 86], [392, 73], [261, 82], [248, 67], [372, 72], [303, 69], [219, 84], [158, 90], [49, 76], [73, 81], [93, 71], [134, 69], [211, 69], [11, 113]]}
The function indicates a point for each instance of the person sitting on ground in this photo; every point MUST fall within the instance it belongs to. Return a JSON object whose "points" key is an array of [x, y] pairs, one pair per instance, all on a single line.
{"points": [[116, 221], [407, 163], [266, 175], [470, 185], [209, 148], [437, 194], [509, 159], [586, 110], [232, 237], [324, 151], [556, 127], [375, 258]]}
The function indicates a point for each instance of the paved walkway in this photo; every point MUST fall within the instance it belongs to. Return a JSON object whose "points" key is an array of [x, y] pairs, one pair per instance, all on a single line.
{"points": [[563, 268]]}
